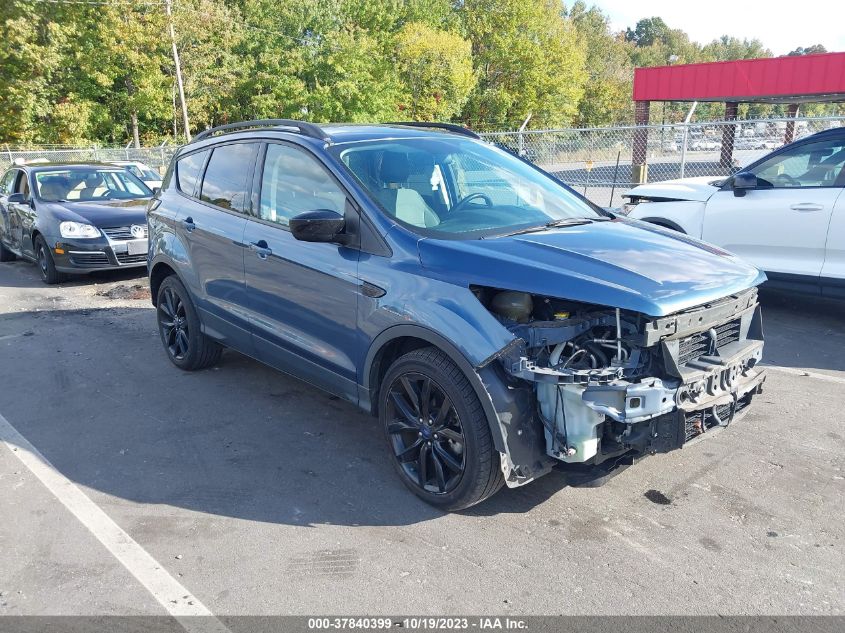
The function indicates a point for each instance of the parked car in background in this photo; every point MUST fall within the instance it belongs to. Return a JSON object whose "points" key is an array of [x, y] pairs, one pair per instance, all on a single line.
{"points": [[495, 321], [704, 144], [785, 212], [73, 218], [753, 142], [143, 171]]}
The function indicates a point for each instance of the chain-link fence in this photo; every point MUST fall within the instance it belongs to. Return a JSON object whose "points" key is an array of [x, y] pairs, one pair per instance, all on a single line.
{"points": [[600, 161], [156, 157], [597, 161]]}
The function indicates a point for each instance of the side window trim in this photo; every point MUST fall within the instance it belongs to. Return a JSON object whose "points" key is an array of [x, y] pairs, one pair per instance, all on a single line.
{"points": [[248, 183]]}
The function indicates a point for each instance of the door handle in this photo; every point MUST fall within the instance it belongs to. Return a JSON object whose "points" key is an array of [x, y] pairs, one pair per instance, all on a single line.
{"points": [[807, 206], [261, 249], [189, 225]]}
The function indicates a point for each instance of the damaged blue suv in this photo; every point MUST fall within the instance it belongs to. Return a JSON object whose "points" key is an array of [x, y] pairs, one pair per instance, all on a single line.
{"points": [[496, 322]]}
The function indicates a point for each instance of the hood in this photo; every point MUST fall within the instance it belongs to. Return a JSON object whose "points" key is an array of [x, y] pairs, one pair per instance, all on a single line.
{"points": [[102, 213], [621, 263], [697, 189]]}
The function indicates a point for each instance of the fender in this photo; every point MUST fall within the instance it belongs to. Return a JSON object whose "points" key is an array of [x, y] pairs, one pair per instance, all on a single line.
{"points": [[169, 250], [508, 406]]}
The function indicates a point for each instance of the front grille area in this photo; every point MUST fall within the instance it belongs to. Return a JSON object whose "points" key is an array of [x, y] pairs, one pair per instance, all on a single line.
{"points": [[94, 258], [698, 345], [126, 258], [121, 233], [697, 422]]}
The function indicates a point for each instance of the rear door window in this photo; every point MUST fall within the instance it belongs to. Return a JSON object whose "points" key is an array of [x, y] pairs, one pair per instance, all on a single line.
{"points": [[228, 176], [188, 171]]}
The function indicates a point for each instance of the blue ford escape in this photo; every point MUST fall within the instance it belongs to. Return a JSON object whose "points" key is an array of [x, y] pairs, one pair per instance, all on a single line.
{"points": [[496, 322]]}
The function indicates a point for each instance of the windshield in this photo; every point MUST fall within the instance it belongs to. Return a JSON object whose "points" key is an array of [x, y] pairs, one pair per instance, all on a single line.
{"points": [[456, 187], [69, 185]]}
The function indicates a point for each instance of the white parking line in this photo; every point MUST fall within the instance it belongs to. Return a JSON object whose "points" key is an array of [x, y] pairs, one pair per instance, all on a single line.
{"points": [[175, 598], [807, 374]]}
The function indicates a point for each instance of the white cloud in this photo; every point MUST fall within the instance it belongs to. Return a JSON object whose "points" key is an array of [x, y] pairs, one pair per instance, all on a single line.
{"points": [[781, 26]]}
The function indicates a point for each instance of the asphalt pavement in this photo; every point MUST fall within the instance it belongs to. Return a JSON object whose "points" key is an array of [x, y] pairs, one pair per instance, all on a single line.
{"points": [[260, 495]]}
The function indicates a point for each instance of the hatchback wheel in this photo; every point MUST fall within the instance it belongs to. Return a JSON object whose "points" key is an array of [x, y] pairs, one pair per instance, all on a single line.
{"points": [[46, 265], [187, 347], [437, 432]]}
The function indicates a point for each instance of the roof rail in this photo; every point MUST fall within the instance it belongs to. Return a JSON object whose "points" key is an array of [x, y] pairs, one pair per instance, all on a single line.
{"points": [[301, 127], [451, 127]]}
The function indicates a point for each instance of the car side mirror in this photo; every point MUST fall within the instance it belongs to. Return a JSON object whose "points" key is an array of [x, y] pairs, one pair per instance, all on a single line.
{"points": [[16, 198], [743, 181], [321, 225]]}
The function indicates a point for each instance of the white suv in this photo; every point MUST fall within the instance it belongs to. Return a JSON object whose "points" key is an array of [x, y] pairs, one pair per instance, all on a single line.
{"points": [[785, 212]]}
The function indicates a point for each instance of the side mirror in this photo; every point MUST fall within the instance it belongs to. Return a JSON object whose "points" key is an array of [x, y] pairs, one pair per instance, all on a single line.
{"points": [[322, 225], [16, 198], [743, 181]]}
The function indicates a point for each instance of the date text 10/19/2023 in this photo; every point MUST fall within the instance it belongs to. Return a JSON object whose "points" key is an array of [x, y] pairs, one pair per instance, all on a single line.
{"points": [[421, 623]]}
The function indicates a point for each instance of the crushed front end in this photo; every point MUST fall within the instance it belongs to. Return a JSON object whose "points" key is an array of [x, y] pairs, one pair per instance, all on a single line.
{"points": [[611, 385]]}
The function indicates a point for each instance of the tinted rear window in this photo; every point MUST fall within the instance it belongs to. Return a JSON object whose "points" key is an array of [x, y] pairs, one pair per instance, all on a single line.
{"points": [[188, 171], [228, 175]]}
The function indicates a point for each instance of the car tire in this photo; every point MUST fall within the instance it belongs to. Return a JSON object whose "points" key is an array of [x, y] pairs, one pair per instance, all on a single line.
{"points": [[179, 327], [440, 445], [45, 263], [6, 255]]}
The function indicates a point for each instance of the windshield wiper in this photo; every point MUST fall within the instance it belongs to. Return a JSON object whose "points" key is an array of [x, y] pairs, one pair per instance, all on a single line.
{"points": [[553, 224]]}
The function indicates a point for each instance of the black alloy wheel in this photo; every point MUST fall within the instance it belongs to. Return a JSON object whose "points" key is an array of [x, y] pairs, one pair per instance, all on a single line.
{"points": [[173, 321], [425, 433], [438, 436], [179, 326]]}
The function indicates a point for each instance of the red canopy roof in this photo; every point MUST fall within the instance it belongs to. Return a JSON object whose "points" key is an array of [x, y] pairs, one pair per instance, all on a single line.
{"points": [[803, 78]]}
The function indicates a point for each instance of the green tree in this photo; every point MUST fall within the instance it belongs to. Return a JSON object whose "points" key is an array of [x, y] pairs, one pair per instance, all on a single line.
{"points": [[33, 54], [727, 48], [209, 33], [647, 32], [528, 59], [121, 71], [607, 94], [436, 71], [815, 49]]}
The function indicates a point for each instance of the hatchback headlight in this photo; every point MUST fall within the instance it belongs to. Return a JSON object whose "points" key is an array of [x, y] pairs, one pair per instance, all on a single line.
{"points": [[78, 230]]}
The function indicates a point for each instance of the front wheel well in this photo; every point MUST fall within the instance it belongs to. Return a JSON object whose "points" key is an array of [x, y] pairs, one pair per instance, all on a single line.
{"points": [[385, 357], [158, 274], [666, 224]]}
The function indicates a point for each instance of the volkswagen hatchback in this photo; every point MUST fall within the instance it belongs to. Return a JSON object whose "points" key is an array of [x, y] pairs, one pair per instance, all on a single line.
{"points": [[496, 322]]}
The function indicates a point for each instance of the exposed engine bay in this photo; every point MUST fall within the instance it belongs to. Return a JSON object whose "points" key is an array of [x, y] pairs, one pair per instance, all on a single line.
{"points": [[610, 382]]}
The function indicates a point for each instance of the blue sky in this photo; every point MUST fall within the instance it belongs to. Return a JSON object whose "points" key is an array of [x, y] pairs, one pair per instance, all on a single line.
{"points": [[781, 26]]}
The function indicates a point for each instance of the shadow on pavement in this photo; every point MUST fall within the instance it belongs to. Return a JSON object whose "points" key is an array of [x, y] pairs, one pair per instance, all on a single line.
{"points": [[94, 391]]}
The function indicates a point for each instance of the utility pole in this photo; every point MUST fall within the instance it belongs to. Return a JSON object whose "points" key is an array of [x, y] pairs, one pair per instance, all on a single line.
{"points": [[187, 126]]}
